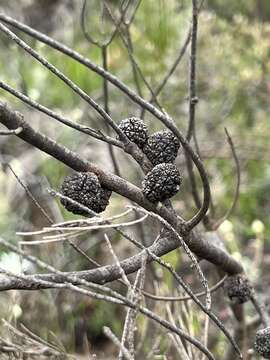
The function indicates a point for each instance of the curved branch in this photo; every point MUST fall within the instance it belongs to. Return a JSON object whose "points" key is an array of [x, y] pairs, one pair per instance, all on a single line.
{"points": [[60, 277], [184, 298], [201, 247], [164, 118], [13, 120], [82, 128], [109, 273], [65, 79], [237, 187], [110, 38], [71, 281]]}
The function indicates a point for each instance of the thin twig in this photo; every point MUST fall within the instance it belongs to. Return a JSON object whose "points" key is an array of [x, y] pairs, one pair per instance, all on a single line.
{"points": [[127, 326], [114, 297], [80, 228], [129, 21], [49, 219], [30, 195], [192, 70], [123, 275], [135, 66], [107, 331], [179, 344], [198, 245], [65, 79], [110, 38], [206, 334], [187, 250], [185, 298], [186, 287], [163, 117], [237, 187], [11, 132], [137, 298], [104, 51], [97, 134], [261, 310], [170, 72]]}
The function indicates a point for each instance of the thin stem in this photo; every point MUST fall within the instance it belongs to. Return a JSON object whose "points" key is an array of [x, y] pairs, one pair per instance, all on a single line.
{"points": [[104, 51], [97, 134], [192, 70], [135, 66], [114, 297], [170, 72], [107, 331], [237, 187], [164, 118], [198, 245], [31, 196], [65, 79], [185, 298], [186, 249]]}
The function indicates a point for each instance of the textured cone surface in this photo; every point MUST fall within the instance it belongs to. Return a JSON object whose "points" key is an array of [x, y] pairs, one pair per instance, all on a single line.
{"points": [[161, 183], [135, 130], [86, 190], [238, 289], [104, 197], [262, 342], [162, 147]]}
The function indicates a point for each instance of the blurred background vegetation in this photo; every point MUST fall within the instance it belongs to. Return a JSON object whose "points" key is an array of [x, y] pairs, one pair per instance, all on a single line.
{"points": [[233, 66]]}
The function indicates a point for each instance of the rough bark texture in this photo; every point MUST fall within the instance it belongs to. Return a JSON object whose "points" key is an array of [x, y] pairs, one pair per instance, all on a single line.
{"points": [[197, 243]]}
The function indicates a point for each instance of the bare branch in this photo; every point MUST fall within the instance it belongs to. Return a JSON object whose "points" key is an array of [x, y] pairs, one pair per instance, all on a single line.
{"points": [[201, 248], [117, 24], [114, 297], [97, 134], [65, 79], [237, 187], [107, 331], [261, 310], [170, 72], [107, 109], [31, 196], [185, 298], [192, 70], [164, 118], [127, 42], [188, 252]]}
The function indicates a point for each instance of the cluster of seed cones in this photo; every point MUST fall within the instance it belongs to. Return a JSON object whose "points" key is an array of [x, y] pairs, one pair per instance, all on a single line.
{"points": [[83, 191], [161, 148]]}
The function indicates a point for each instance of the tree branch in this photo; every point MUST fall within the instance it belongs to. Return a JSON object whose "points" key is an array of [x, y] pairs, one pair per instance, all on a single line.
{"points": [[192, 70], [97, 134], [199, 246], [164, 118]]}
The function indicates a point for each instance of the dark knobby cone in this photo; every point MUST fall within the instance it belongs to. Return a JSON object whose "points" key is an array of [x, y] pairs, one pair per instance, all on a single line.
{"points": [[238, 289], [262, 342], [161, 183], [135, 130], [86, 190], [162, 147]]}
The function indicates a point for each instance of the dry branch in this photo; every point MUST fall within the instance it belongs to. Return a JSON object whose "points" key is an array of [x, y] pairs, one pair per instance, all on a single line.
{"points": [[201, 247]]}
